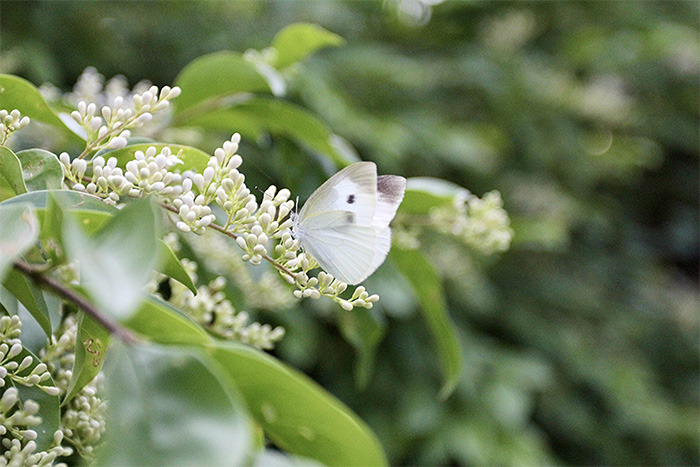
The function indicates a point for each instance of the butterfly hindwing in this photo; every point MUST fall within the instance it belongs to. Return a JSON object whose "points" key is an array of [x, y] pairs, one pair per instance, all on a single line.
{"points": [[344, 224], [347, 253]]}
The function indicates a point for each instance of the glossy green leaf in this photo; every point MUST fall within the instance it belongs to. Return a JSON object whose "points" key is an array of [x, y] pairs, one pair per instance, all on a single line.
{"points": [[11, 180], [30, 296], [425, 193], [297, 41], [19, 229], [362, 330], [215, 76], [172, 267], [168, 406], [49, 412], [273, 458], [41, 169], [117, 262], [90, 349], [160, 322], [192, 158], [428, 289], [18, 93], [253, 117], [70, 199], [296, 414]]}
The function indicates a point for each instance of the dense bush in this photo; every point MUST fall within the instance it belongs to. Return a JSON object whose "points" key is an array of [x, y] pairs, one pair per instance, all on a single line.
{"points": [[579, 345]]}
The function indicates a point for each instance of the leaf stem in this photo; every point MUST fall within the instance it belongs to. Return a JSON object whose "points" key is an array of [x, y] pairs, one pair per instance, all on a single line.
{"points": [[40, 278]]}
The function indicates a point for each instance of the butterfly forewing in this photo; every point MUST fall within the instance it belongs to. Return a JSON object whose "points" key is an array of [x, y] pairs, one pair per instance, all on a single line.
{"points": [[352, 189], [344, 224], [390, 191]]}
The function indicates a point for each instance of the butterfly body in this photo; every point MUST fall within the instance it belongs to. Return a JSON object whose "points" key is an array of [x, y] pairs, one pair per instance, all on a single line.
{"points": [[344, 224]]}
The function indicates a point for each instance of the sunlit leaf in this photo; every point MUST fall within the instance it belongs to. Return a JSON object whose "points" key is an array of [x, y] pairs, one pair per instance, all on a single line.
{"points": [[172, 267], [297, 41], [30, 296], [18, 93], [41, 169], [425, 193], [216, 76], [168, 406], [296, 414], [254, 116], [11, 180], [19, 229], [160, 322], [117, 262], [90, 350]]}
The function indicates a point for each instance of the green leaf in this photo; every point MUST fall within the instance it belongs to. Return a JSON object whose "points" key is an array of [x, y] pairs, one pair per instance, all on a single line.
{"points": [[426, 285], [49, 405], [297, 41], [90, 348], [69, 198], [19, 229], [117, 262], [425, 193], [30, 296], [254, 116], [11, 180], [296, 414], [172, 267], [41, 169], [215, 76], [162, 323], [273, 458], [168, 406], [18, 93], [362, 330], [193, 158]]}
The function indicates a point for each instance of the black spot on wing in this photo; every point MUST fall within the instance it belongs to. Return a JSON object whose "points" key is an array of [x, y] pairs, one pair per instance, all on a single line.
{"points": [[351, 199], [350, 217]]}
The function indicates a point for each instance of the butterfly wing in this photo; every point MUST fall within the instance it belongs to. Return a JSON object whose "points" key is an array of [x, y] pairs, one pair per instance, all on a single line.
{"points": [[344, 225], [353, 189], [342, 248], [390, 191]]}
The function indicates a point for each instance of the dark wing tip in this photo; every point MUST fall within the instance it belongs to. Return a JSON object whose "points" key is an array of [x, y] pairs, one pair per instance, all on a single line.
{"points": [[391, 187]]}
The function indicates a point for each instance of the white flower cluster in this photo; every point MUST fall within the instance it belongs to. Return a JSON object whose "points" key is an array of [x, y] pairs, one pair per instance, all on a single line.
{"points": [[112, 128], [11, 122], [147, 173], [15, 369], [215, 312], [18, 452], [17, 416], [481, 223], [83, 417], [190, 195]]}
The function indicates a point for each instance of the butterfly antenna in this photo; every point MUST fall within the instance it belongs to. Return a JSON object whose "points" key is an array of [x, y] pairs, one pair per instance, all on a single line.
{"points": [[263, 193]]}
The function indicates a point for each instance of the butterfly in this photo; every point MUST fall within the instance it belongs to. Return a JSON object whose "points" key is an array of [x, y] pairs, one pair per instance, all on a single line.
{"points": [[344, 224]]}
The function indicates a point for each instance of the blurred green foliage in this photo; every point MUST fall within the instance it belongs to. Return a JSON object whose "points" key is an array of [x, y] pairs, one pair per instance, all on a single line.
{"points": [[580, 345]]}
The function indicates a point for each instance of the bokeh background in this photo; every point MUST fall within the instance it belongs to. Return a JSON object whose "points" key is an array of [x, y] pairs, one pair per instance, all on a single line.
{"points": [[581, 343]]}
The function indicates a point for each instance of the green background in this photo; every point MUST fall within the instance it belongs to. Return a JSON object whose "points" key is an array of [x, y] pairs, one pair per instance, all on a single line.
{"points": [[580, 344]]}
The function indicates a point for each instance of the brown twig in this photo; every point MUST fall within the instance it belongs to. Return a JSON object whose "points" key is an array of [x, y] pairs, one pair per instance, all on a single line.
{"points": [[42, 279]]}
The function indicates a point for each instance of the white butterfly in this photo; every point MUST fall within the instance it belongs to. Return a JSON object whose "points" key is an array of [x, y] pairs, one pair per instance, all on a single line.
{"points": [[344, 224]]}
